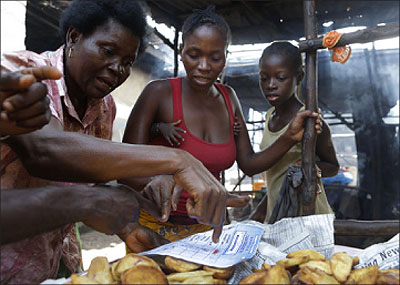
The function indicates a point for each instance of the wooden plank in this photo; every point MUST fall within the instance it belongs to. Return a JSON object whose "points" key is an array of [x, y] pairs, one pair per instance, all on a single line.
{"points": [[390, 30], [366, 228], [309, 186]]}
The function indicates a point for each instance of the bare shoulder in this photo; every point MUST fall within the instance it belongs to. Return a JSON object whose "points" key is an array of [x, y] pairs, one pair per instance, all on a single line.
{"points": [[234, 99], [160, 87]]}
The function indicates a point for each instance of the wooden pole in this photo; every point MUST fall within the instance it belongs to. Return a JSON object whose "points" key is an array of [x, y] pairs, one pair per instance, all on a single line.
{"points": [[309, 186], [176, 52], [390, 30]]}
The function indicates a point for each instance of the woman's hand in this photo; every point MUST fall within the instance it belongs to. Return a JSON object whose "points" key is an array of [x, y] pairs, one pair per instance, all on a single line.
{"points": [[171, 133], [164, 192], [139, 238], [295, 130], [208, 204], [24, 104]]}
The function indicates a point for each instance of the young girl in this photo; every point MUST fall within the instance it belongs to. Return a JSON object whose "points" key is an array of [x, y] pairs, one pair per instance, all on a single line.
{"points": [[205, 111], [281, 72]]}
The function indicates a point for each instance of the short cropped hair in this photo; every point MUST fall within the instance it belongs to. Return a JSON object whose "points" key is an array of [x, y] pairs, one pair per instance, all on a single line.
{"points": [[288, 50], [206, 17], [87, 15]]}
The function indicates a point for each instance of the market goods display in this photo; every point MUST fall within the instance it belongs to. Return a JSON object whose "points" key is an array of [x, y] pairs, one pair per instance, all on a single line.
{"points": [[311, 267], [299, 267], [139, 269]]}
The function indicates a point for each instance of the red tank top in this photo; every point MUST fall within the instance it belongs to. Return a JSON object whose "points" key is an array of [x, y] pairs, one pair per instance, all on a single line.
{"points": [[216, 157]]}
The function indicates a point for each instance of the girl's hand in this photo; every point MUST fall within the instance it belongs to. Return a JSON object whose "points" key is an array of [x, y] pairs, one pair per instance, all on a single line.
{"points": [[296, 127], [236, 127], [171, 133]]}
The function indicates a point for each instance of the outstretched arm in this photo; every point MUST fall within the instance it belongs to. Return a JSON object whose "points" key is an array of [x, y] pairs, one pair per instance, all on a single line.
{"points": [[326, 153], [251, 162], [108, 209]]}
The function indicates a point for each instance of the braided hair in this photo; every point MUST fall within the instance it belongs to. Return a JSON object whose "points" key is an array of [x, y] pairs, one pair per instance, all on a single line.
{"points": [[206, 17], [288, 50]]}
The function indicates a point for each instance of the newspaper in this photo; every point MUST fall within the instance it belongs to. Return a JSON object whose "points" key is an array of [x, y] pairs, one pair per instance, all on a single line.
{"points": [[287, 235], [385, 255], [238, 242]]}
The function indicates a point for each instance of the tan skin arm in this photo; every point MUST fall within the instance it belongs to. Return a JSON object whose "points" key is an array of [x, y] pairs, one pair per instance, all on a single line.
{"points": [[252, 163], [107, 209], [325, 151], [53, 154]]}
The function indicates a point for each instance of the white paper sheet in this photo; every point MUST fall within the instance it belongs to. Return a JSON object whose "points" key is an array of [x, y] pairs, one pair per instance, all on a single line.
{"points": [[238, 242]]}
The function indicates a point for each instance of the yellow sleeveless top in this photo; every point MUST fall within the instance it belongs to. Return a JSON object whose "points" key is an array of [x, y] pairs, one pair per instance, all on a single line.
{"points": [[277, 173]]}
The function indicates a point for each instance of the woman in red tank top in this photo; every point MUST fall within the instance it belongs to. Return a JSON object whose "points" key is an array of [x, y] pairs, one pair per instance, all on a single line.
{"points": [[205, 111]]}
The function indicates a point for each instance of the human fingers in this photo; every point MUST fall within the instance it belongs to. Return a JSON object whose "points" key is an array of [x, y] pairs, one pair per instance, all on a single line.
{"points": [[218, 218], [211, 215], [148, 205], [216, 233], [176, 193], [168, 139], [176, 123], [43, 73], [319, 125], [13, 81], [237, 200], [36, 92], [165, 203], [175, 137], [178, 138], [179, 130], [151, 191], [35, 122], [37, 108]]}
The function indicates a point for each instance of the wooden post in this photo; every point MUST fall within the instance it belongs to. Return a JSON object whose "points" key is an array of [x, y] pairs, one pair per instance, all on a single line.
{"points": [[176, 52], [309, 187]]}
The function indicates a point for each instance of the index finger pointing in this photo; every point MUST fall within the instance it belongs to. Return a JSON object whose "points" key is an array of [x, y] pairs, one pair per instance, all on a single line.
{"points": [[43, 72], [216, 233]]}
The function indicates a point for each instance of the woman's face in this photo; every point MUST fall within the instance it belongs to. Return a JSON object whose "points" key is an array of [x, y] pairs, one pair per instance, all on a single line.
{"points": [[102, 60], [277, 79], [204, 56]]}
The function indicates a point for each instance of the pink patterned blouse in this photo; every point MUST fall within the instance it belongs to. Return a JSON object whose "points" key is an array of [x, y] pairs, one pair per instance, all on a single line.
{"points": [[36, 259]]}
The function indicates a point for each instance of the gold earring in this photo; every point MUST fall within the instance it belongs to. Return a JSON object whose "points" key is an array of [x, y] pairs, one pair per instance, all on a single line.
{"points": [[70, 52]]}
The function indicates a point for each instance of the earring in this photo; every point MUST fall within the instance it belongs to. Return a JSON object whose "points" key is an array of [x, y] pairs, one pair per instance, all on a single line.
{"points": [[69, 52]]}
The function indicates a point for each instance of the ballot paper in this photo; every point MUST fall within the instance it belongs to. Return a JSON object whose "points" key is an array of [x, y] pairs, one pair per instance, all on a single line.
{"points": [[238, 242]]}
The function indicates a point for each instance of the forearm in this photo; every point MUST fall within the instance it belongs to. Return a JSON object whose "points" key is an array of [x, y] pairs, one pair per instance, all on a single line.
{"points": [[66, 156], [328, 169], [254, 163], [28, 212]]}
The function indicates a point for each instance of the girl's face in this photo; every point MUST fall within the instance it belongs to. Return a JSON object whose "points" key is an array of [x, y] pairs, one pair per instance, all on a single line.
{"points": [[204, 56], [278, 80], [100, 61]]}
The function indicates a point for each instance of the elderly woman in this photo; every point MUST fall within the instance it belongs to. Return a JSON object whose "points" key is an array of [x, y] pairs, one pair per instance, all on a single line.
{"points": [[101, 41]]}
